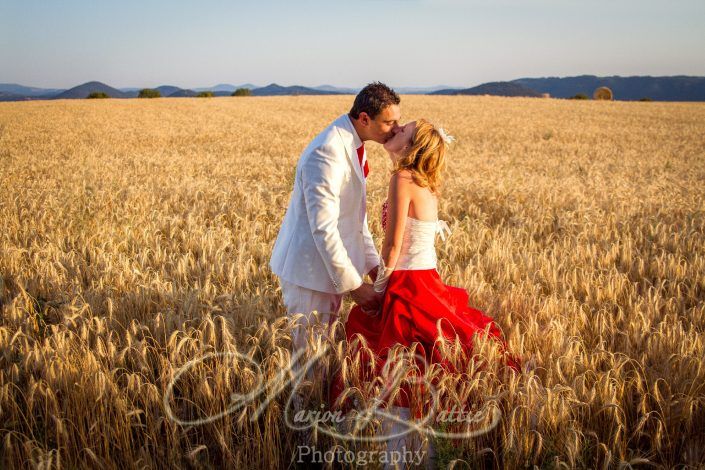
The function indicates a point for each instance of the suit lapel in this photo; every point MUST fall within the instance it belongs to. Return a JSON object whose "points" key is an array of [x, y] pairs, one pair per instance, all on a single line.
{"points": [[346, 135]]}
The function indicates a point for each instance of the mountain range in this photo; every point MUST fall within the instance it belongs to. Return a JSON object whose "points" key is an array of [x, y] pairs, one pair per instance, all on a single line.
{"points": [[492, 88], [675, 88], [278, 90]]}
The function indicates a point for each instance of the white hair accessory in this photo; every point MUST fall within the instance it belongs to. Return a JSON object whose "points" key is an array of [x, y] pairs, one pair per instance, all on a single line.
{"points": [[447, 138]]}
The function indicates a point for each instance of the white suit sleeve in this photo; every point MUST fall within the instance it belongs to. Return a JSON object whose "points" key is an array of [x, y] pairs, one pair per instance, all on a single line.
{"points": [[322, 177]]}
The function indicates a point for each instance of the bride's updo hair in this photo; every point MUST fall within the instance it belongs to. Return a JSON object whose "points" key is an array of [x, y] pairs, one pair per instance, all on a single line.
{"points": [[426, 158]]}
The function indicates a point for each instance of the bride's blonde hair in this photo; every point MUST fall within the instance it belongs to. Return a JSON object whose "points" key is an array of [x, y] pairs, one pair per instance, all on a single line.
{"points": [[426, 158]]}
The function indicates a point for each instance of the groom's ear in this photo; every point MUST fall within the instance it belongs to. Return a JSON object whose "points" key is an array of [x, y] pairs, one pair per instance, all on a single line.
{"points": [[364, 118]]}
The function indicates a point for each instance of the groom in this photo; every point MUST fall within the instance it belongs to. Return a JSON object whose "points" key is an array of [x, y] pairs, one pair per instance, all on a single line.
{"points": [[324, 247]]}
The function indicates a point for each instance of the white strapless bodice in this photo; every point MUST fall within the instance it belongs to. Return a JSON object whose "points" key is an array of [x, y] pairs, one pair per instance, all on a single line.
{"points": [[418, 249]]}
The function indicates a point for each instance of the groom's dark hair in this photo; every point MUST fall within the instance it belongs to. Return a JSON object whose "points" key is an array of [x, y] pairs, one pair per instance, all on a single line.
{"points": [[372, 100]]}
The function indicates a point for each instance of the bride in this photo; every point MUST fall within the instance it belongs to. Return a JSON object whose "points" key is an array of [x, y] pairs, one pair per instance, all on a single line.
{"points": [[417, 305]]}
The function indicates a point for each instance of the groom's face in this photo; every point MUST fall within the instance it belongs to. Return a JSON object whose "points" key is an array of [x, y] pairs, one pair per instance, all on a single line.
{"points": [[384, 125]]}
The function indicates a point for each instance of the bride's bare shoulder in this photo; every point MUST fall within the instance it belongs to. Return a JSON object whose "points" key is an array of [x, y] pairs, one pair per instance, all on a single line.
{"points": [[405, 178], [403, 175], [401, 180]]}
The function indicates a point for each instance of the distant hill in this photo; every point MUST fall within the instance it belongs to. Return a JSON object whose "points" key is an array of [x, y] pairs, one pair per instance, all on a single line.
{"points": [[346, 91], [226, 87], [82, 91], [400, 90], [220, 87], [167, 90], [411, 90], [278, 90], [164, 90], [6, 96], [677, 88], [494, 89], [21, 90], [183, 94]]}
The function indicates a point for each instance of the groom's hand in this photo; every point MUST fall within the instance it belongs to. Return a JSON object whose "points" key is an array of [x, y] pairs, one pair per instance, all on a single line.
{"points": [[373, 273], [366, 297]]}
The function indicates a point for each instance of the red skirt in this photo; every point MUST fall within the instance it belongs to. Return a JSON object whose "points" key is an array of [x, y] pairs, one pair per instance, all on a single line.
{"points": [[414, 302]]}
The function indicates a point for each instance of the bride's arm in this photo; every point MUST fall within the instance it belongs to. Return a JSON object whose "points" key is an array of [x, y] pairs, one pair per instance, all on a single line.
{"points": [[398, 201], [399, 198]]}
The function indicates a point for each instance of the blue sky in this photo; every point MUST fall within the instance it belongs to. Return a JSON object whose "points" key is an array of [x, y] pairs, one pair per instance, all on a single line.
{"points": [[63, 43]]}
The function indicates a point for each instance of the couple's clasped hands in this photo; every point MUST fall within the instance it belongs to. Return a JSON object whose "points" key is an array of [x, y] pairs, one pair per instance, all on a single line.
{"points": [[369, 300]]}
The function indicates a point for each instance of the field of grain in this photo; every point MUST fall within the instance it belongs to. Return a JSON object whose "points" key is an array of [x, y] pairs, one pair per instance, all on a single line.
{"points": [[135, 236]]}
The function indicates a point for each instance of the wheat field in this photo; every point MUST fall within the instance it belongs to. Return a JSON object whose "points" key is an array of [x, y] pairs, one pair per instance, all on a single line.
{"points": [[135, 236]]}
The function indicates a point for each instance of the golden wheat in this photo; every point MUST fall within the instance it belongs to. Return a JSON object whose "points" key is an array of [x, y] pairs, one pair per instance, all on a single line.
{"points": [[135, 237]]}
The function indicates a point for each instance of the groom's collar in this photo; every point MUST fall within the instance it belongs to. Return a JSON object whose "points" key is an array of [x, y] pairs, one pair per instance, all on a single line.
{"points": [[351, 138], [356, 138], [351, 142]]}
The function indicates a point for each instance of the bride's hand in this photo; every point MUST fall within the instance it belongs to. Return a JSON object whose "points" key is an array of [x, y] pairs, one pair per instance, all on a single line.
{"points": [[380, 284], [366, 297]]}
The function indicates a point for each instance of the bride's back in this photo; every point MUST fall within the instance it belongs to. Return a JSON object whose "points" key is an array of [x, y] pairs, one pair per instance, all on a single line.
{"points": [[424, 203]]}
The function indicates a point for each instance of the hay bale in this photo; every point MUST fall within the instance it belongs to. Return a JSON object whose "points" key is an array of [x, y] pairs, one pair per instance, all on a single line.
{"points": [[603, 93]]}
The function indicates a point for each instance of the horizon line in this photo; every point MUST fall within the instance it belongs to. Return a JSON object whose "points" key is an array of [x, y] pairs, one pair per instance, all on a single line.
{"points": [[351, 86]]}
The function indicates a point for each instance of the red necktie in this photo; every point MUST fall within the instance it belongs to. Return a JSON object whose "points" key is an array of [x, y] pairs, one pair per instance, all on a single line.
{"points": [[360, 157]]}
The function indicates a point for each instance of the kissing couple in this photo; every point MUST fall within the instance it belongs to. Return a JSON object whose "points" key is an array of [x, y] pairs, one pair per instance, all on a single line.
{"points": [[324, 248]]}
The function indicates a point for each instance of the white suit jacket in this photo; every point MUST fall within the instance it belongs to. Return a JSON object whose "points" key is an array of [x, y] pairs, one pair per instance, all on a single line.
{"points": [[324, 243]]}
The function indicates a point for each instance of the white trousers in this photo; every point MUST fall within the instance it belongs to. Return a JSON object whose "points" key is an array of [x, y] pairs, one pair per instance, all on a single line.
{"points": [[305, 301]]}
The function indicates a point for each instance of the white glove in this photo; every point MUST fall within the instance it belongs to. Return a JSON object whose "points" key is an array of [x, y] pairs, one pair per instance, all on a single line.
{"points": [[383, 274]]}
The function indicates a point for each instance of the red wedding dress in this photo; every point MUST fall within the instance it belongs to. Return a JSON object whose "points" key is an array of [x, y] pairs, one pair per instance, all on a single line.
{"points": [[414, 301]]}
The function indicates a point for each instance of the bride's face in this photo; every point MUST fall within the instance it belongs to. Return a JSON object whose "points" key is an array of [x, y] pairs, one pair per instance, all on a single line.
{"points": [[401, 142]]}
